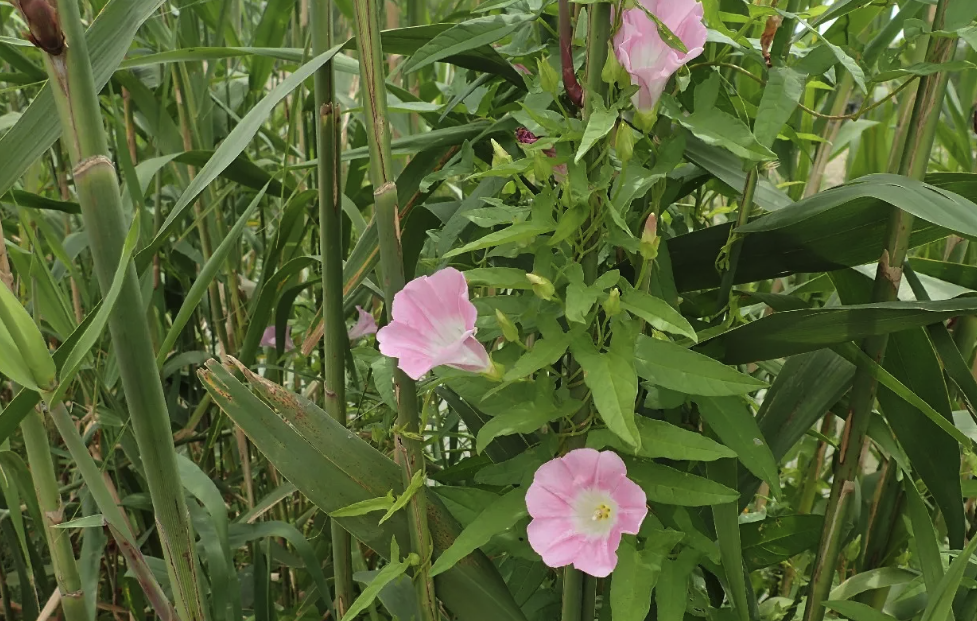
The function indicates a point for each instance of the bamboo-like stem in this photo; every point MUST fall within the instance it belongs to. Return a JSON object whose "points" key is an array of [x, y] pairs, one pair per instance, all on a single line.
{"points": [[815, 176], [98, 193], [736, 247], [6, 276], [915, 156], [408, 450], [49, 499], [598, 36], [331, 249]]}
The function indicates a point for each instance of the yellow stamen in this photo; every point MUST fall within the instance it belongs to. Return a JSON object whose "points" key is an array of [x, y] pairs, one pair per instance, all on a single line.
{"points": [[602, 512]]}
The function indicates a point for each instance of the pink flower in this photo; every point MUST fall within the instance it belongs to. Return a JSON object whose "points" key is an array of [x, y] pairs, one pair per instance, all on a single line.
{"points": [[268, 338], [581, 503], [365, 325], [649, 60], [434, 324]]}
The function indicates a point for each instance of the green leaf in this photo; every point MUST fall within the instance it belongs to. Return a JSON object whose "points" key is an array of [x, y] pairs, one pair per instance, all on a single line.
{"points": [[672, 591], [673, 367], [498, 517], [108, 38], [924, 537], [503, 277], [847, 61], [611, 378], [600, 124], [857, 611], [416, 485], [634, 580], [661, 439], [939, 605], [526, 417], [383, 503], [394, 569], [870, 580], [728, 169], [783, 91], [715, 127], [775, 539], [232, 146], [545, 352], [674, 487], [464, 37], [519, 232], [90, 521], [733, 422], [658, 313], [788, 333]]}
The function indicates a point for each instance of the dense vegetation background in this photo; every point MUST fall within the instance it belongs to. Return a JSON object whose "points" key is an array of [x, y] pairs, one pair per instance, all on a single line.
{"points": [[752, 282]]}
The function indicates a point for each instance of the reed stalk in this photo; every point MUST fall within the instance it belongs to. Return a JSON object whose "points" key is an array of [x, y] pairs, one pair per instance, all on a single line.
{"points": [[331, 249], [45, 481], [408, 449], [915, 156], [97, 187]]}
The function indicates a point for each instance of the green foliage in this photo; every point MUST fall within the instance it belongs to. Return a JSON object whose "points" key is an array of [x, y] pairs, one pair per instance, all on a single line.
{"points": [[805, 443]]}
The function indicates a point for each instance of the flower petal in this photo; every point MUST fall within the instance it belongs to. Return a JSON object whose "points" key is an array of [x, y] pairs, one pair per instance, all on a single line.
{"points": [[365, 324], [598, 557], [555, 540], [632, 507]]}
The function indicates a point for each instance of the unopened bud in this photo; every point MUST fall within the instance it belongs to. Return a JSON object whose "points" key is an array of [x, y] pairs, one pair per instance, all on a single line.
{"points": [[43, 25], [509, 330], [650, 239], [612, 305], [549, 80], [541, 286], [499, 155], [613, 72], [624, 142]]}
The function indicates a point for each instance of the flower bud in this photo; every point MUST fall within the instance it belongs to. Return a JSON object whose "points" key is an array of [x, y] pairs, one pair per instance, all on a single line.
{"points": [[548, 78], [500, 156], [650, 239], [541, 286], [645, 119], [509, 330], [624, 142], [613, 72], [612, 305]]}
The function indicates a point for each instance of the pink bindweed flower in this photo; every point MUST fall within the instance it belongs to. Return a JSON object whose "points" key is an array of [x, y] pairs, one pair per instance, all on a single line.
{"points": [[642, 52], [268, 338], [581, 503], [365, 325], [434, 324]]}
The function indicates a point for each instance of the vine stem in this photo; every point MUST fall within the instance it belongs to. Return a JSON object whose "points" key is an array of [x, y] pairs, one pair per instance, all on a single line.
{"points": [[409, 450], [97, 185], [331, 248], [915, 156]]}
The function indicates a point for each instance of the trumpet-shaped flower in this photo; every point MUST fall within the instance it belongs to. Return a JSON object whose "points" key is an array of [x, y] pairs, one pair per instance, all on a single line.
{"points": [[581, 503], [365, 325], [434, 324], [642, 52]]}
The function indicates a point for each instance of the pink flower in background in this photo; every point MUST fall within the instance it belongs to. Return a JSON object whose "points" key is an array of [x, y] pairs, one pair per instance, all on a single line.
{"points": [[581, 503], [434, 324], [365, 325], [268, 338], [643, 53]]}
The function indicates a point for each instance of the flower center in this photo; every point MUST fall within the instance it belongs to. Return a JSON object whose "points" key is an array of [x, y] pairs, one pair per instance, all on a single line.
{"points": [[603, 512], [595, 513]]}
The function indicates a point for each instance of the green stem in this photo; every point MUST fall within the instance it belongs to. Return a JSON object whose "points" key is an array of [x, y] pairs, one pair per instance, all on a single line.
{"points": [[915, 156], [98, 193], [331, 248], [599, 35], [736, 247], [408, 450], [49, 498]]}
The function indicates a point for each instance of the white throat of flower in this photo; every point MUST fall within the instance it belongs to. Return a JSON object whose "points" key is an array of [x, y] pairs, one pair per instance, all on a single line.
{"points": [[595, 513]]}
